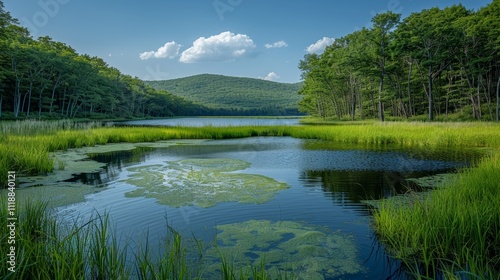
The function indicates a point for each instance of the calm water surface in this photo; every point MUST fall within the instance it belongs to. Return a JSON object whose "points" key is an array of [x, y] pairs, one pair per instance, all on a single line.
{"points": [[216, 121], [327, 183]]}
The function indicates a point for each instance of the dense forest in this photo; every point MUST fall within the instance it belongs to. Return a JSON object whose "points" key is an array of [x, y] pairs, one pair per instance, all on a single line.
{"points": [[438, 63], [236, 95], [41, 78]]}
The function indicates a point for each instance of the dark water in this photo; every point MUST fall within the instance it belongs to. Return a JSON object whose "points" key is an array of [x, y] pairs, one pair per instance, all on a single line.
{"points": [[327, 183]]}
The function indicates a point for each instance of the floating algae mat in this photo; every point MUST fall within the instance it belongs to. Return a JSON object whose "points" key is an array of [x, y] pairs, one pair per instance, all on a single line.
{"points": [[435, 180], [412, 197], [304, 250], [56, 188], [202, 182]]}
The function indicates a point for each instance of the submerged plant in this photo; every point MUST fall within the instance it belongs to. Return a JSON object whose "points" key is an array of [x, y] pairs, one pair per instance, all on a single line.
{"points": [[202, 182], [304, 250]]}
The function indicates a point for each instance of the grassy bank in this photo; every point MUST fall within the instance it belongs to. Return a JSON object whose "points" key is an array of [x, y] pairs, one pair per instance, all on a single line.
{"points": [[454, 231], [49, 248], [25, 147]]}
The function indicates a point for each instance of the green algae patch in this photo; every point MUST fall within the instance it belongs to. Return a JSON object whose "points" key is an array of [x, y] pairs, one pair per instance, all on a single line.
{"points": [[435, 180], [306, 251], [408, 199], [55, 188], [76, 161], [203, 182], [57, 195]]}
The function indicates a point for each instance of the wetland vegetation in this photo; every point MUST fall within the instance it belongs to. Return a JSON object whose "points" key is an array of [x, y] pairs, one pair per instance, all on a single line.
{"points": [[439, 64], [457, 226]]}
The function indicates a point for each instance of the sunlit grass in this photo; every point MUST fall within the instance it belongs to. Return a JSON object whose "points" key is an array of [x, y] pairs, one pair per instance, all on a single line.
{"points": [[456, 228], [27, 150], [48, 247]]}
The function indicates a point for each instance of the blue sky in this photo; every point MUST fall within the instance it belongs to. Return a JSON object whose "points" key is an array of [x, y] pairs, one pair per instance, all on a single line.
{"points": [[162, 39]]}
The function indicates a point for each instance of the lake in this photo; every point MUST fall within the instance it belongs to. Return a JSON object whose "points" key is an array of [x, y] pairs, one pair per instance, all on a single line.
{"points": [[291, 202], [215, 121]]}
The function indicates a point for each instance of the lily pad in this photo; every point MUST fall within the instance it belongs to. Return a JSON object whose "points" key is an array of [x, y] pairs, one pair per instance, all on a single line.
{"points": [[202, 182], [307, 251]]}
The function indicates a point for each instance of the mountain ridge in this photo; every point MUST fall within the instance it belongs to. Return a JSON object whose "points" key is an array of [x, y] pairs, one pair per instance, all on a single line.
{"points": [[249, 96]]}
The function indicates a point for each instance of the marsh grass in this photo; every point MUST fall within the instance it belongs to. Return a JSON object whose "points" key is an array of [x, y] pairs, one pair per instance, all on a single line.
{"points": [[166, 264], [49, 248], [26, 149], [46, 248], [453, 231]]}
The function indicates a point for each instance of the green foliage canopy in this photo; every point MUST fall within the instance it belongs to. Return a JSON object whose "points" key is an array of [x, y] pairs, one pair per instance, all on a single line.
{"points": [[442, 63]]}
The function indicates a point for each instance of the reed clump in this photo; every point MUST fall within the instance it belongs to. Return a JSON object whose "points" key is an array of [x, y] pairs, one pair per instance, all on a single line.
{"points": [[454, 231], [47, 247]]}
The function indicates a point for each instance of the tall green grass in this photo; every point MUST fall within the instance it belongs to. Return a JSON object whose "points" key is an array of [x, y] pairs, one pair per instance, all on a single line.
{"points": [[50, 248], [456, 228], [27, 150], [454, 231]]}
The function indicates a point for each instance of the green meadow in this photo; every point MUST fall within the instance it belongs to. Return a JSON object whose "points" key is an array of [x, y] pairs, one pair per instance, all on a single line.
{"points": [[455, 230]]}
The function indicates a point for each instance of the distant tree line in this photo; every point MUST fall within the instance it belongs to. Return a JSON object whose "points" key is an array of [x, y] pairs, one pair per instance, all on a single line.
{"points": [[435, 63], [41, 78]]}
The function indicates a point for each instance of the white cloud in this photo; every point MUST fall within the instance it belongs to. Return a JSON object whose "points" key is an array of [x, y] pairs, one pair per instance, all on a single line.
{"points": [[169, 50], [223, 47], [146, 55], [270, 77], [279, 44], [320, 45]]}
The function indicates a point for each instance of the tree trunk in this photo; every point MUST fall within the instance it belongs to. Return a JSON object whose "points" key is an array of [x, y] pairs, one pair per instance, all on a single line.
{"points": [[56, 85], [410, 111], [17, 98], [487, 94], [40, 101], [498, 100], [63, 101], [374, 107], [29, 100], [360, 94], [380, 105], [480, 112], [430, 97], [473, 102]]}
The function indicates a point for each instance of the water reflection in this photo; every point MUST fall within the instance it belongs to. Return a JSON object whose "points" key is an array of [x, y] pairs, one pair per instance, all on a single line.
{"points": [[355, 171], [215, 121], [115, 163], [327, 182]]}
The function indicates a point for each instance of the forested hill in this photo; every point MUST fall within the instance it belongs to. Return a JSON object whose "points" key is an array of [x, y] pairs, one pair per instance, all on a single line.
{"points": [[41, 78], [235, 95]]}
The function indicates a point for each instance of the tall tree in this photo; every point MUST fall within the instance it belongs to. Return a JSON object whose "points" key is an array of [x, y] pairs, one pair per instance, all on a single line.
{"points": [[429, 38], [382, 35]]}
